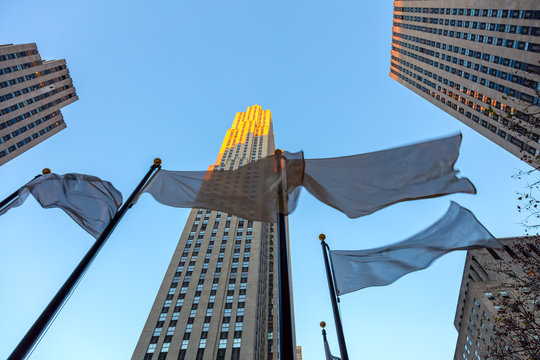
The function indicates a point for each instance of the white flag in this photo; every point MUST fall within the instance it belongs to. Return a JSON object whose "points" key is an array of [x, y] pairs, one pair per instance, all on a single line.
{"points": [[361, 184], [327, 352], [88, 200], [458, 229], [249, 192], [357, 185]]}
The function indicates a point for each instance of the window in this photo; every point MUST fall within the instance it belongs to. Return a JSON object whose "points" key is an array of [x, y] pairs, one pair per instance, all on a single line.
{"points": [[170, 330], [162, 316], [237, 343], [222, 343], [189, 327], [151, 348], [202, 343], [184, 344], [192, 313], [157, 331], [165, 347], [225, 327], [175, 315], [238, 326]]}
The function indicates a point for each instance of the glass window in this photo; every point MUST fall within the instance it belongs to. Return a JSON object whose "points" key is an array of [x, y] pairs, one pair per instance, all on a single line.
{"points": [[151, 348], [165, 347]]}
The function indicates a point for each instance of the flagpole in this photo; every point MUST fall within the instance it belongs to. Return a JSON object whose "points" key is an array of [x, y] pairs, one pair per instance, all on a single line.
{"points": [[333, 297], [36, 331], [285, 316], [11, 197]]}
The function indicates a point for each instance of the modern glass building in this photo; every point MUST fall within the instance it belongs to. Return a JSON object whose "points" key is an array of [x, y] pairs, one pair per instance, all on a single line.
{"points": [[476, 60], [32, 92], [218, 299]]}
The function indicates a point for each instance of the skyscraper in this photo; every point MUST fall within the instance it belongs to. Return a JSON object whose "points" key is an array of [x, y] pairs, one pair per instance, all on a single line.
{"points": [[489, 280], [218, 299], [476, 60], [32, 91]]}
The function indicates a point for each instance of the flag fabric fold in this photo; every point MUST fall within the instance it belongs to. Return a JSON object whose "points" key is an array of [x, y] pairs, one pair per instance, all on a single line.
{"points": [[458, 229], [356, 185], [250, 192], [88, 200], [327, 352], [361, 184]]}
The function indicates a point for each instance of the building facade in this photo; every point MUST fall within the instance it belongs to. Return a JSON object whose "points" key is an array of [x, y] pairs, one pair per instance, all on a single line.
{"points": [[218, 299], [32, 92], [476, 60], [488, 283]]}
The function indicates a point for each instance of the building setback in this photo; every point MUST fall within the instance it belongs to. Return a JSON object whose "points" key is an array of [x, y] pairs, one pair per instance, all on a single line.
{"points": [[32, 92], [483, 289], [476, 60], [218, 299]]}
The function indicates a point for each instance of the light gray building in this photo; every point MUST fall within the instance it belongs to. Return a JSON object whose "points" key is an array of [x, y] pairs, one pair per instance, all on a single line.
{"points": [[476, 60], [488, 282], [218, 299], [32, 92]]}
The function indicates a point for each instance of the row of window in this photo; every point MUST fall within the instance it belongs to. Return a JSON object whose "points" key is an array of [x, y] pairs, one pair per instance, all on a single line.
{"points": [[19, 67], [32, 100], [17, 55], [475, 54], [500, 13], [514, 44], [522, 145], [28, 127], [474, 78], [28, 77], [505, 28], [468, 64], [28, 89], [28, 139]]}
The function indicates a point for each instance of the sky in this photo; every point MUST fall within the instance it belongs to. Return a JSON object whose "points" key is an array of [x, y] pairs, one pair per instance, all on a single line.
{"points": [[165, 79]]}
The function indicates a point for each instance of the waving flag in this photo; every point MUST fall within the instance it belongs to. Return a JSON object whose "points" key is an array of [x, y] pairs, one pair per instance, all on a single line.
{"points": [[88, 200], [458, 229], [357, 185]]}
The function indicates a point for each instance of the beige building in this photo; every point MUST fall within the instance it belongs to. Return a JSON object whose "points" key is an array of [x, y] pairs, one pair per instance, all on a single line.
{"points": [[476, 60], [218, 299], [487, 283], [32, 92]]}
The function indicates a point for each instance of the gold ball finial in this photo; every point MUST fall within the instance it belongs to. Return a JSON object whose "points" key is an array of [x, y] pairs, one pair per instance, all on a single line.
{"points": [[278, 152], [323, 324], [46, 171], [322, 237], [157, 161]]}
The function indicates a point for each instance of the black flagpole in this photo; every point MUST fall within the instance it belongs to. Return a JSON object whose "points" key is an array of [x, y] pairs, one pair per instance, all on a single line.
{"points": [[11, 197], [286, 336], [333, 297], [32, 336]]}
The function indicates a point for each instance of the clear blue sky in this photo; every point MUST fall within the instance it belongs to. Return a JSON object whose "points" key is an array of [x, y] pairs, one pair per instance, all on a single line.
{"points": [[166, 79]]}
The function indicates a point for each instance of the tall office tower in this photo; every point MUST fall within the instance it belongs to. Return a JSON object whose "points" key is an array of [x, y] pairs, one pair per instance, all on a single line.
{"points": [[487, 282], [476, 60], [218, 299], [32, 91]]}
